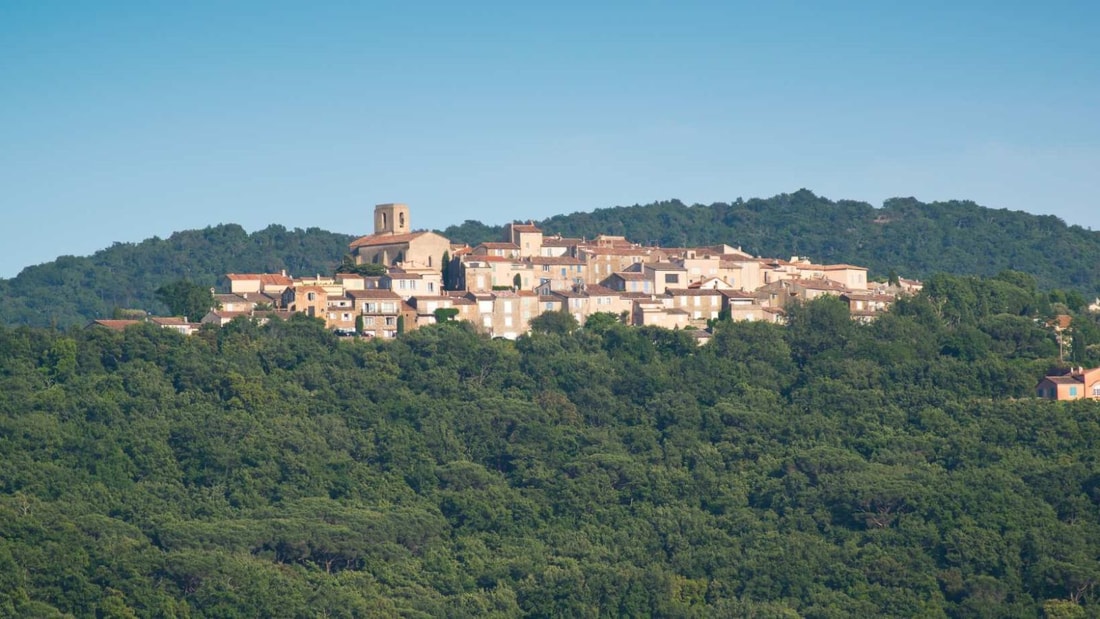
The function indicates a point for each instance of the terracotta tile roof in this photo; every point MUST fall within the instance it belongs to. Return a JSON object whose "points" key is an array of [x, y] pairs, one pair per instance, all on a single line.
{"points": [[693, 292], [230, 315], [115, 325], [374, 240], [374, 293], [664, 266], [1061, 321], [715, 280], [840, 267], [266, 279], [598, 290], [499, 245], [628, 276], [525, 228], [736, 294], [559, 241], [553, 260], [617, 251], [230, 298], [821, 284], [569, 294], [169, 321], [1066, 380], [468, 258]]}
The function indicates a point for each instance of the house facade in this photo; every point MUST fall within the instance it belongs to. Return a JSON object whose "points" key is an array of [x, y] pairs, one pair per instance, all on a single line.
{"points": [[1078, 384]]}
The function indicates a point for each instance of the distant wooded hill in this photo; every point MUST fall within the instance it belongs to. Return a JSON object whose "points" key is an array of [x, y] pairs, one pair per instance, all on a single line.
{"points": [[73, 290], [912, 238]]}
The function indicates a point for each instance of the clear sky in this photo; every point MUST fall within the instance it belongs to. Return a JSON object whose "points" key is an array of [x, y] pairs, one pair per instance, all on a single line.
{"points": [[124, 120]]}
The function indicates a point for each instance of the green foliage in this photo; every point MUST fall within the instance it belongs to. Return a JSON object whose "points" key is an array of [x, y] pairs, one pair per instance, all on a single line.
{"points": [[822, 469], [446, 271], [71, 290], [445, 314], [908, 237], [347, 265], [185, 298], [557, 323]]}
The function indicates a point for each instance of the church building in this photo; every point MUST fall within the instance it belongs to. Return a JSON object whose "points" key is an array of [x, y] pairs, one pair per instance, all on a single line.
{"points": [[393, 244]]}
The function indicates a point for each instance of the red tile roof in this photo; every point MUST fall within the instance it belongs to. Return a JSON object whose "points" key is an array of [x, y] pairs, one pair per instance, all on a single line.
{"points": [[266, 279], [374, 240], [115, 325], [554, 260]]}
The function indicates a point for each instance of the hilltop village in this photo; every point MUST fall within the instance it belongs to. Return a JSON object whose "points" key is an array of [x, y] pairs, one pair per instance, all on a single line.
{"points": [[500, 286]]}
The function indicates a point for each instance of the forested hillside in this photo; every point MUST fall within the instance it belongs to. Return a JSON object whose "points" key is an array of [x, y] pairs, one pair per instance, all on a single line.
{"points": [[825, 469], [912, 238], [73, 290], [906, 236]]}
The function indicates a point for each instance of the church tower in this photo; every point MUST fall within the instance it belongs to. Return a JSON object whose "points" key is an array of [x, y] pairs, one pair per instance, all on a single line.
{"points": [[391, 219]]}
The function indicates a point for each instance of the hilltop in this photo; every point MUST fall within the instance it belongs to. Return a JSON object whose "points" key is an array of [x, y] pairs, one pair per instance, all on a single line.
{"points": [[904, 236]]}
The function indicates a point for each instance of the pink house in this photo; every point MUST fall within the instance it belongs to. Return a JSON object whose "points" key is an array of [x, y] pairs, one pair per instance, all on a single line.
{"points": [[1078, 384]]}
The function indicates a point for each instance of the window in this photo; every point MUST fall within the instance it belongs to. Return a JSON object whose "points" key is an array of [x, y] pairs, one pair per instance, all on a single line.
{"points": [[370, 308], [388, 308], [507, 321], [391, 321], [431, 286], [1096, 390], [507, 307], [368, 321], [311, 296], [1072, 391]]}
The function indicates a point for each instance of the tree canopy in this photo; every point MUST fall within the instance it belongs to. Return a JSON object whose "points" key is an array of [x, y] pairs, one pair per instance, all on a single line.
{"points": [[824, 469]]}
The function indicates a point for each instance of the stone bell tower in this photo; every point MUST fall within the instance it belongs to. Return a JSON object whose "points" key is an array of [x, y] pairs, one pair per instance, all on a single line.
{"points": [[391, 219]]}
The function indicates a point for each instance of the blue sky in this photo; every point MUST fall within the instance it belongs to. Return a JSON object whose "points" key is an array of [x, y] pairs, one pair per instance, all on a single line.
{"points": [[124, 120]]}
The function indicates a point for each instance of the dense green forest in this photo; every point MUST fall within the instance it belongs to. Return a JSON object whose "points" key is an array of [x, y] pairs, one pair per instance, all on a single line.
{"points": [[73, 290], [823, 469], [912, 238], [908, 237]]}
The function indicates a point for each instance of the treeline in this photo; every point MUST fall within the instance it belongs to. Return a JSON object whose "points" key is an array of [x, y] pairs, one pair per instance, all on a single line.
{"points": [[71, 291], [909, 237], [824, 469], [905, 236]]}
